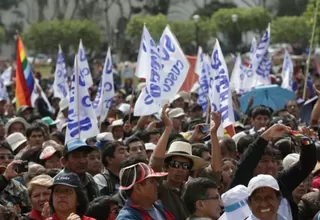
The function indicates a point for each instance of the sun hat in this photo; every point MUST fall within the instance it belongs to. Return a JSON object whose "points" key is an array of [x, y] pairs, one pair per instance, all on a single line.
{"points": [[235, 203], [41, 180], [184, 149], [63, 104], [145, 170], [116, 123], [176, 112], [124, 108], [14, 120], [261, 181], [66, 179], [15, 140]]}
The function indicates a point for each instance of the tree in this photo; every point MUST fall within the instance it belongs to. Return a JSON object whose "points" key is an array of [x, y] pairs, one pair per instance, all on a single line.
{"points": [[185, 31], [45, 36], [2, 35], [309, 16], [291, 7], [290, 30], [213, 6], [253, 19]]}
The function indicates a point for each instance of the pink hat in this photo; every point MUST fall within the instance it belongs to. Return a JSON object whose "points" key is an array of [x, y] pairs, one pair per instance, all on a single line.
{"points": [[316, 183], [145, 170], [47, 152]]}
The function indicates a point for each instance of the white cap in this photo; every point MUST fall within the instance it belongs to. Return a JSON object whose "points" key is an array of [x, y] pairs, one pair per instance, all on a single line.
{"points": [[176, 112], [290, 159], [128, 98], [235, 203], [177, 96], [105, 136], [15, 140], [150, 146], [124, 108], [47, 152], [115, 123], [63, 104], [261, 181]]}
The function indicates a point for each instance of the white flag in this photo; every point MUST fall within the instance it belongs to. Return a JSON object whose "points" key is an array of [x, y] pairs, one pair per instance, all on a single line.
{"points": [[253, 48], [256, 71], [287, 70], [82, 121], [35, 94], [220, 92], [84, 68], [6, 76], [145, 104], [60, 84], [3, 91], [105, 93], [203, 91], [237, 77], [142, 71], [199, 62], [175, 65]]}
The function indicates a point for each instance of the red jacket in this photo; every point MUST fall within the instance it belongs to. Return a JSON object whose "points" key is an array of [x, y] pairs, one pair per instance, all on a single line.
{"points": [[55, 217]]}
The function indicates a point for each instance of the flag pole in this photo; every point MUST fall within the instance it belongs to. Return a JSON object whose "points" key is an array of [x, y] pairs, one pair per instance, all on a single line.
{"points": [[310, 50], [77, 87]]}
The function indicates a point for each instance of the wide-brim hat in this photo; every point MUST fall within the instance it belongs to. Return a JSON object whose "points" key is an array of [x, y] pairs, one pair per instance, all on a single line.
{"points": [[184, 149]]}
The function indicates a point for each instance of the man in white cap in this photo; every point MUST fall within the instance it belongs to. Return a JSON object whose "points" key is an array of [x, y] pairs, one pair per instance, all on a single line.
{"points": [[235, 203], [177, 116], [264, 198]]}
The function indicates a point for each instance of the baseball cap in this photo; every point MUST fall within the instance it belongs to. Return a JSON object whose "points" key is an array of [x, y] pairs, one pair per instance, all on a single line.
{"points": [[75, 145], [103, 138], [289, 160], [63, 104], [176, 112], [66, 179], [15, 140], [261, 181], [48, 120], [145, 171], [150, 146], [47, 152]]}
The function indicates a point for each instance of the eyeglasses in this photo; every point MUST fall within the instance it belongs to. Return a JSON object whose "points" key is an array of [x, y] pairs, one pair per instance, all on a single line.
{"points": [[6, 156], [216, 197], [178, 164]]}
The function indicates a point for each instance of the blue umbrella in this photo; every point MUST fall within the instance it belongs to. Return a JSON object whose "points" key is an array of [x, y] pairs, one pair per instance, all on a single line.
{"points": [[272, 96]]}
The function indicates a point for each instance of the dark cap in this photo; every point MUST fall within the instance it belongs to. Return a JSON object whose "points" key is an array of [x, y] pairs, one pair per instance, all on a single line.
{"points": [[76, 144], [66, 179], [280, 120]]}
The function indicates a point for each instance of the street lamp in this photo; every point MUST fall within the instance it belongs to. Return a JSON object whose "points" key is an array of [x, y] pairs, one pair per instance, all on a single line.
{"points": [[196, 19]]}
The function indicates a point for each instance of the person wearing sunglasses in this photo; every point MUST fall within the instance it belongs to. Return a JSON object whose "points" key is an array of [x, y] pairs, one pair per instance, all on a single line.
{"points": [[206, 203], [12, 193]]}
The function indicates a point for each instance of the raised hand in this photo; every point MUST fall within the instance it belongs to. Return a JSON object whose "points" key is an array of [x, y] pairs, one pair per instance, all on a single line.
{"points": [[275, 131], [164, 117], [216, 122]]}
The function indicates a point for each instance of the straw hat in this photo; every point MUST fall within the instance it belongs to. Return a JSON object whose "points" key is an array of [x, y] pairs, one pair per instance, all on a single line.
{"points": [[184, 149]]}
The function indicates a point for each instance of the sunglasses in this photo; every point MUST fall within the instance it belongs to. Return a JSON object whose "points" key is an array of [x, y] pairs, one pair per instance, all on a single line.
{"points": [[6, 156], [178, 164]]}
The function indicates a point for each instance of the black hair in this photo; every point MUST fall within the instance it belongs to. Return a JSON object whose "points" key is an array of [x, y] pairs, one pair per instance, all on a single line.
{"points": [[278, 112], [229, 143], [99, 208], [278, 195], [82, 202], [33, 128], [52, 172], [59, 135], [133, 139], [5, 145], [244, 143], [145, 135], [261, 110], [201, 187], [198, 149], [173, 136], [32, 155], [108, 150]]}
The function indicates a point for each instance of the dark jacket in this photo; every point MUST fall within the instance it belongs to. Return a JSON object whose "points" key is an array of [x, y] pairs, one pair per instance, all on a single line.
{"points": [[309, 205], [288, 179], [135, 212]]}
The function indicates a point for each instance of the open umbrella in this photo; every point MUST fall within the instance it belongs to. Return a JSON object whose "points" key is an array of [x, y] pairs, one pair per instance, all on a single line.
{"points": [[272, 96]]}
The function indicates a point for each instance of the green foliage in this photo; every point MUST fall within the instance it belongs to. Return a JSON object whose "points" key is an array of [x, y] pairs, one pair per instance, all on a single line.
{"points": [[249, 19], [291, 7], [309, 16], [45, 36], [212, 7], [185, 31], [290, 30], [2, 35]]}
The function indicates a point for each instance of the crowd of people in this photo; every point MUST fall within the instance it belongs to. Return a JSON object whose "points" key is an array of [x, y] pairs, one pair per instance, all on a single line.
{"points": [[170, 165]]}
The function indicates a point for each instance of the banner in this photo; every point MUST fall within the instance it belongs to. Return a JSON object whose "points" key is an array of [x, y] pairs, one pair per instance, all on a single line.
{"points": [[203, 72], [60, 84], [287, 71], [84, 69]]}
